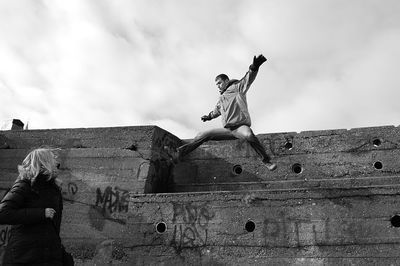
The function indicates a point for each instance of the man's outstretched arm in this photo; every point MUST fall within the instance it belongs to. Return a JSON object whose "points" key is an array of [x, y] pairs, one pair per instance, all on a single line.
{"points": [[250, 76], [213, 114]]}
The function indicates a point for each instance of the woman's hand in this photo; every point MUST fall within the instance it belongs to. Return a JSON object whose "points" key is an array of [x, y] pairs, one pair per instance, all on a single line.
{"points": [[49, 213]]}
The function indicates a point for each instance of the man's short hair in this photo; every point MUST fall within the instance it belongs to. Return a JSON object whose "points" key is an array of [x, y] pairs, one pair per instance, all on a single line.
{"points": [[222, 76]]}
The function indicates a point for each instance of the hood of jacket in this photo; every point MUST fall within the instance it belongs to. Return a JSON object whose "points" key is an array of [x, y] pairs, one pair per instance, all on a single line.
{"points": [[230, 82]]}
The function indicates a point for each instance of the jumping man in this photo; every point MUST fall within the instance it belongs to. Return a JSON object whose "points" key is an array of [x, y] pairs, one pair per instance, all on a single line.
{"points": [[232, 107]]}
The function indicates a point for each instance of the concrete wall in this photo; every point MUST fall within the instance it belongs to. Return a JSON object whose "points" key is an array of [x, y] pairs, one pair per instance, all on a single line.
{"points": [[99, 168], [125, 204], [340, 208], [297, 227], [329, 158]]}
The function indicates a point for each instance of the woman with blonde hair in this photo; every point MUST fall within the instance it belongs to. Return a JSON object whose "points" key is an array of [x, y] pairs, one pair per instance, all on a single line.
{"points": [[33, 206]]}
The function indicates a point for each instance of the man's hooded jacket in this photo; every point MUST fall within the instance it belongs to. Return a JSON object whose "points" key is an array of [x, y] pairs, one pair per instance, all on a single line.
{"points": [[232, 104]]}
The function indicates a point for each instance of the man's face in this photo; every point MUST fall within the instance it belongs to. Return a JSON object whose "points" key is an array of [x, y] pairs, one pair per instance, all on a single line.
{"points": [[221, 84]]}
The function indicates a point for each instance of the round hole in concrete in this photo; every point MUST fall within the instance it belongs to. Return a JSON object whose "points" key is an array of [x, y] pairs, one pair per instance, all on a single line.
{"points": [[378, 165], [395, 221], [250, 226], [161, 227], [237, 169], [377, 142], [297, 168], [288, 145]]}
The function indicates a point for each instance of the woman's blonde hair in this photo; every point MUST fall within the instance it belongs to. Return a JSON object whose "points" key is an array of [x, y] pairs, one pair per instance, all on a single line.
{"points": [[39, 161]]}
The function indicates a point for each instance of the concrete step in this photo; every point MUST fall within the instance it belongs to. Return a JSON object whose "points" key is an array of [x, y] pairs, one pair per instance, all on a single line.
{"points": [[309, 182], [326, 154], [332, 225], [110, 137]]}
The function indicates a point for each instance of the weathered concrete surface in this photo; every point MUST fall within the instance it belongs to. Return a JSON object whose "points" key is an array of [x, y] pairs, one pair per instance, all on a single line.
{"points": [[329, 157], [109, 137], [339, 210], [297, 227], [119, 154], [99, 168]]}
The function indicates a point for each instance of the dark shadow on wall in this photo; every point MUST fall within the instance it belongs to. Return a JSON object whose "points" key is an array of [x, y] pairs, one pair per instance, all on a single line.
{"points": [[220, 165], [160, 177], [210, 173]]}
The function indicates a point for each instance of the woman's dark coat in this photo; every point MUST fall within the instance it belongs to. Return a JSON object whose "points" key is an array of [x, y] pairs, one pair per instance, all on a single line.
{"points": [[34, 239]]}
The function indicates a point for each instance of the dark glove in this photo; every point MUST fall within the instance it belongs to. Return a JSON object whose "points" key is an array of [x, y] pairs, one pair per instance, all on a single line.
{"points": [[257, 62], [205, 118]]}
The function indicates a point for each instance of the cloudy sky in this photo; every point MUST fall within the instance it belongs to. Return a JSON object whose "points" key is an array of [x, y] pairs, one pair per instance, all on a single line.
{"points": [[104, 63]]}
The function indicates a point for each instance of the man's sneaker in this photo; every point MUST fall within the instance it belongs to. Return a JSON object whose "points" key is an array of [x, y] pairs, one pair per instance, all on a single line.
{"points": [[271, 166]]}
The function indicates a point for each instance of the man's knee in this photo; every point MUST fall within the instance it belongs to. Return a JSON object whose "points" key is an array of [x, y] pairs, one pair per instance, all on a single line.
{"points": [[202, 135], [247, 135]]}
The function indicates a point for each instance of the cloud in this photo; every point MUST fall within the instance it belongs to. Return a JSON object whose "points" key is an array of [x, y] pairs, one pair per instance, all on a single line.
{"points": [[110, 63], [328, 63]]}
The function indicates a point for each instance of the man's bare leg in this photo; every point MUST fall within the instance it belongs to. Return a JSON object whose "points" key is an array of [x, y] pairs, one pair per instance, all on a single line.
{"points": [[212, 134], [245, 132]]}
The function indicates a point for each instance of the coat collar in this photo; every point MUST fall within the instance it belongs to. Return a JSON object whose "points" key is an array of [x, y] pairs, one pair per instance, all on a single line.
{"points": [[230, 82]]}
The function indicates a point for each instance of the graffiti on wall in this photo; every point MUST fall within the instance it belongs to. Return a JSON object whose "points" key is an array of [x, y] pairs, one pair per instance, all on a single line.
{"points": [[289, 232], [190, 225], [292, 232], [111, 204], [69, 191], [112, 199]]}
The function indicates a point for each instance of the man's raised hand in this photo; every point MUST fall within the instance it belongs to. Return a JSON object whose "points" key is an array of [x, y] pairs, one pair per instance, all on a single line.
{"points": [[257, 62]]}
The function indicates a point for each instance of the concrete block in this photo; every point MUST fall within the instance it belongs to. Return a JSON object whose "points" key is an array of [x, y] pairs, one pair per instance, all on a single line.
{"points": [[331, 225], [120, 208], [3, 142], [111, 137], [322, 155]]}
